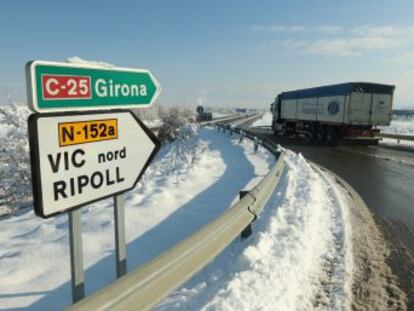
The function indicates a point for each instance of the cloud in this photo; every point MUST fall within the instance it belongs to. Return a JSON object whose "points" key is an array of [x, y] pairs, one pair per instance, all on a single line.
{"points": [[403, 58], [326, 29], [344, 46], [340, 41], [296, 28], [388, 31], [258, 28]]}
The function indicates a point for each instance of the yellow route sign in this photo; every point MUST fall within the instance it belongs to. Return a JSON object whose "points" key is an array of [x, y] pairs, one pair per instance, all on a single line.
{"points": [[76, 133]]}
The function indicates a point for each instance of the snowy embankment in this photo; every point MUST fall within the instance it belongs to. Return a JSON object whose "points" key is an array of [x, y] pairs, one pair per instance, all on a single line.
{"points": [[400, 126], [298, 258], [266, 120], [403, 126], [191, 182]]}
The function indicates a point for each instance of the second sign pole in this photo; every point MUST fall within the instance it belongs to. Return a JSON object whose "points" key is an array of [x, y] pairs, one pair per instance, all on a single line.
{"points": [[120, 248], [76, 255]]}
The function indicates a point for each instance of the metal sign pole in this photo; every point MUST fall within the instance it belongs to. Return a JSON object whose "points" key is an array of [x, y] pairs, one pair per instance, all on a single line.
{"points": [[76, 255], [120, 249]]}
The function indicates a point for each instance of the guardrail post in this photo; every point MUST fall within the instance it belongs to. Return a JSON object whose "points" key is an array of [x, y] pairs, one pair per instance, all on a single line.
{"points": [[248, 230], [256, 144]]}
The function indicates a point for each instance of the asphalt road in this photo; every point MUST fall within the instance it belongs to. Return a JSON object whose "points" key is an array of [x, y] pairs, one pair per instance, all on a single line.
{"points": [[384, 178]]}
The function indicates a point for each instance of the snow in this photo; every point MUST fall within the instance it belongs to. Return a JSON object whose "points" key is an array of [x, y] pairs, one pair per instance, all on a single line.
{"points": [[299, 257], [394, 143], [153, 123], [217, 114], [192, 181], [400, 126], [80, 61], [266, 120], [15, 188], [403, 126]]}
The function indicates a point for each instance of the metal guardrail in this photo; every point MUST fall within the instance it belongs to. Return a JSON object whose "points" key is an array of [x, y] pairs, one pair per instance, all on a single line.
{"points": [[149, 284], [232, 118], [398, 137], [216, 120], [248, 120]]}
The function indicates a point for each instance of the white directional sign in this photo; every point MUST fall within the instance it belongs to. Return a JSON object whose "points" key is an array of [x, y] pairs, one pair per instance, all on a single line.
{"points": [[80, 158]]}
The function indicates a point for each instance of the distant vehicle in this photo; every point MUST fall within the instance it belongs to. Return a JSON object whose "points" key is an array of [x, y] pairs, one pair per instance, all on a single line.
{"points": [[241, 110], [203, 116], [200, 109], [330, 112]]}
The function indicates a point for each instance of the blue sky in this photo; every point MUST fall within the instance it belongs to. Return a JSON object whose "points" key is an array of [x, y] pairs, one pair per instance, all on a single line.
{"points": [[228, 53]]}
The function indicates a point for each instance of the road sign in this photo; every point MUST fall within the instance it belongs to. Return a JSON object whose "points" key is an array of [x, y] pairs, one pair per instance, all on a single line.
{"points": [[55, 87], [79, 158]]}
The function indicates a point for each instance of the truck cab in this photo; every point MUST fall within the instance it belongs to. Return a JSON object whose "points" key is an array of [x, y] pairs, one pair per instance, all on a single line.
{"points": [[275, 109]]}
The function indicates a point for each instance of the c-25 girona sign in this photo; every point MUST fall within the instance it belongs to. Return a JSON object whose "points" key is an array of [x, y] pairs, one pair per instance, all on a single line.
{"points": [[55, 87]]}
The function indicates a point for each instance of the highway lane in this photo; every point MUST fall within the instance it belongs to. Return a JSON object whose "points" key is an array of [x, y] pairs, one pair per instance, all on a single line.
{"points": [[384, 178]]}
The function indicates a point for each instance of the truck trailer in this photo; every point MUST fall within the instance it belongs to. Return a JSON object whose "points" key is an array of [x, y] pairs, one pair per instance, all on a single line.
{"points": [[327, 113]]}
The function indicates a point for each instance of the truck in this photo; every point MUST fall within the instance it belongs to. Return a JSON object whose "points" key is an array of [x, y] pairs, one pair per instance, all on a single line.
{"points": [[202, 115], [327, 113]]}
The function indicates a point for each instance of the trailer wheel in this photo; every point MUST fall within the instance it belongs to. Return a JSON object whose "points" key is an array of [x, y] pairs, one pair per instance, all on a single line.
{"points": [[283, 130], [275, 132], [313, 133], [331, 135], [321, 134]]}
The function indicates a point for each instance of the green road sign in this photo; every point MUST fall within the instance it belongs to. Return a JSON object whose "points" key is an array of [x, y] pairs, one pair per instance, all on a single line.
{"points": [[69, 87]]}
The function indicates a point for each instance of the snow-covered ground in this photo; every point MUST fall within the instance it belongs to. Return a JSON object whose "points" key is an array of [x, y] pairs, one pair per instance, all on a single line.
{"points": [[403, 126], [266, 120], [191, 182], [217, 114], [400, 126], [299, 257]]}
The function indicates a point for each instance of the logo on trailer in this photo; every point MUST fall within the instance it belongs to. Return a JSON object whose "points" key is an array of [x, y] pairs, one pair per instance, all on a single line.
{"points": [[333, 107]]}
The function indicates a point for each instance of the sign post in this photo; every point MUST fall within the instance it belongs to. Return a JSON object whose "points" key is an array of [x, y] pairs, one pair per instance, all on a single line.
{"points": [[120, 248], [78, 155], [76, 255]]}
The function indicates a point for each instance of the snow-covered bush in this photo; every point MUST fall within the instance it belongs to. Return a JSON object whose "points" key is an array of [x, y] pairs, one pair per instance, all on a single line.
{"points": [[149, 114], [173, 119], [15, 184], [179, 156]]}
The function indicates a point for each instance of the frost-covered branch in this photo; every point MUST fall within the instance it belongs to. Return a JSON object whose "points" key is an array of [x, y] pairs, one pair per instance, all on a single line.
{"points": [[15, 183]]}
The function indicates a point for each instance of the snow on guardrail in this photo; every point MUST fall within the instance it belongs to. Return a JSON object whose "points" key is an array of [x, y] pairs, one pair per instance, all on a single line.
{"points": [[398, 137], [146, 286]]}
